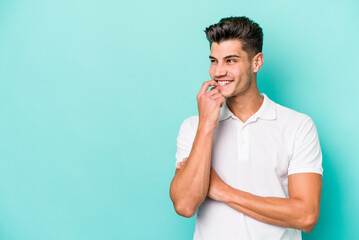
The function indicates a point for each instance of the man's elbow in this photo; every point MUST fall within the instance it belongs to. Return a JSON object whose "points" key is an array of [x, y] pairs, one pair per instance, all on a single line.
{"points": [[185, 206], [185, 211], [310, 222], [181, 207]]}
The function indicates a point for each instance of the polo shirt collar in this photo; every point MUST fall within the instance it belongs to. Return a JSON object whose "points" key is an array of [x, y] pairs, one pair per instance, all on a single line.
{"points": [[266, 111]]}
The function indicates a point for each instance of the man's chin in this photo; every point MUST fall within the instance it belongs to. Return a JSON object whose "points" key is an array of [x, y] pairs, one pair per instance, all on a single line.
{"points": [[225, 94]]}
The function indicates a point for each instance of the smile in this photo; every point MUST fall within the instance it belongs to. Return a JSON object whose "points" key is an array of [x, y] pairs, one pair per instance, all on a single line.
{"points": [[223, 82]]}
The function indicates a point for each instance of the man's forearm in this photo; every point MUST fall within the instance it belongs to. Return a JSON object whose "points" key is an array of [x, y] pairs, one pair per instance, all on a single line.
{"points": [[190, 186], [283, 212]]}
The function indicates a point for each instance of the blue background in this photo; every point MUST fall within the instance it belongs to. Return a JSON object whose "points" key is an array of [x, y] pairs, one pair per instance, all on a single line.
{"points": [[92, 94]]}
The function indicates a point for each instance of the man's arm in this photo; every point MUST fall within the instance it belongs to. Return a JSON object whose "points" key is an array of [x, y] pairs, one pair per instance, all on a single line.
{"points": [[299, 211], [189, 186]]}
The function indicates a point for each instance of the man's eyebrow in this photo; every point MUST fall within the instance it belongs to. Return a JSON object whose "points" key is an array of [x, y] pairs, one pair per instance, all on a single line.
{"points": [[229, 56]]}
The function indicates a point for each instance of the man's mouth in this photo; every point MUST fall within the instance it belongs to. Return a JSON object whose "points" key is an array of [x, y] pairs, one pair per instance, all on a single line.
{"points": [[223, 82]]}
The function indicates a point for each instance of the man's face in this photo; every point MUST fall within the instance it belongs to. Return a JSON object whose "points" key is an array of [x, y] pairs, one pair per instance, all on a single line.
{"points": [[230, 67]]}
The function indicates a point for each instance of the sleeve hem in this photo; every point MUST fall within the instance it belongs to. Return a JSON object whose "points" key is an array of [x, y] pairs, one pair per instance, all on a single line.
{"points": [[305, 170]]}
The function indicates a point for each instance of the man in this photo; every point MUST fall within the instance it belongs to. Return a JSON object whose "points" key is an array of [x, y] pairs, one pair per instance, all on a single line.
{"points": [[251, 167]]}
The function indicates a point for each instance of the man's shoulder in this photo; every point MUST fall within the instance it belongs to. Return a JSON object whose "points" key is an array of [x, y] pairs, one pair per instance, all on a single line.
{"points": [[191, 122], [188, 129], [289, 115], [293, 123]]}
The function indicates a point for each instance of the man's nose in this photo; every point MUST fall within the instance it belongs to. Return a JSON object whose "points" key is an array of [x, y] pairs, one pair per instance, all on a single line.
{"points": [[220, 71]]}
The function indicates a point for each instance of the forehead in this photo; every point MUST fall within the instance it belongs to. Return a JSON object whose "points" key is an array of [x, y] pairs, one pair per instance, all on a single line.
{"points": [[227, 47]]}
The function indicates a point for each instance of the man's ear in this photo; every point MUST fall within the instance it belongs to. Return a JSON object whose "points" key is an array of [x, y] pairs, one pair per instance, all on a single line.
{"points": [[257, 62]]}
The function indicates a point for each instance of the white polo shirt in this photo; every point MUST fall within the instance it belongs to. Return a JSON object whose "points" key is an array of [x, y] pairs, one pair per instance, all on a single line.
{"points": [[256, 156]]}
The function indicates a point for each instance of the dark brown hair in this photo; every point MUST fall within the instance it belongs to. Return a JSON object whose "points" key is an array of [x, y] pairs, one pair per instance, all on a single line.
{"points": [[240, 28]]}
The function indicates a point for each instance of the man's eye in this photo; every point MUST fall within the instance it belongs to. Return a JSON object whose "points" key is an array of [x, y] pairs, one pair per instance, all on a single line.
{"points": [[231, 60], [212, 60]]}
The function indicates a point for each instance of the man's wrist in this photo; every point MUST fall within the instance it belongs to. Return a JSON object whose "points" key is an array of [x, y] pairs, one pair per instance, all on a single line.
{"points": [[206, 128], [227, 194]]}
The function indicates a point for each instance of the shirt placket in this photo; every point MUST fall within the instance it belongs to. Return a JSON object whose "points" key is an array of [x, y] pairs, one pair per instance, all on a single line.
{"points": [[242, 143], [243, 139]]}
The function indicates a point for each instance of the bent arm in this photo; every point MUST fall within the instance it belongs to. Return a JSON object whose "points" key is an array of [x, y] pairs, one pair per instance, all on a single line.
{"points": [[190, 184], [299, 211]]}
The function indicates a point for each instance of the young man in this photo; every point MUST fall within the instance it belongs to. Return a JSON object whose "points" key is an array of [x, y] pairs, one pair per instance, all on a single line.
{"points": [[251, 167]]}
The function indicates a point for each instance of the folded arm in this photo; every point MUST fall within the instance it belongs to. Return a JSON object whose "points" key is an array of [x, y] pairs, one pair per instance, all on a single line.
{"points": [[189, 186], [299, 211]]}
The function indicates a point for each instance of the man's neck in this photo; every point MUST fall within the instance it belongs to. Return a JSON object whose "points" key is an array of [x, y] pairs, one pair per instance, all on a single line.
{"points": [[245, 105]]}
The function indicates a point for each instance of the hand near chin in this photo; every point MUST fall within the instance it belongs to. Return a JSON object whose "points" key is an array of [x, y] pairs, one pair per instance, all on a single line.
{"points": [[209, 104]]}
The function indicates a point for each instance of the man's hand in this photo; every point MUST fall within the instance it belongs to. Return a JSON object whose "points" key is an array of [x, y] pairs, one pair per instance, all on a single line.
{"points": [[209, 104]]}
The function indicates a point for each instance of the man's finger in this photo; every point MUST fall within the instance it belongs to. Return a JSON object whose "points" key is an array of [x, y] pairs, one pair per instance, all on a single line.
{"points": [[212, 92], [216, 96], [212, 88], [206, 85], [179, 165], [220, 99]]}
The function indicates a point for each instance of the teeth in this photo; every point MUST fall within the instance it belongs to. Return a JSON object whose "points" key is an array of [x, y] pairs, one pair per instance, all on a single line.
{"points": [[222, 83]]}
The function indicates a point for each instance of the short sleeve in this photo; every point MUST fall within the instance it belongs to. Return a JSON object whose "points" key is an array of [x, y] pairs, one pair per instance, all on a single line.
{"points": [[185, 139], [307, 154]]}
